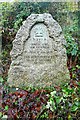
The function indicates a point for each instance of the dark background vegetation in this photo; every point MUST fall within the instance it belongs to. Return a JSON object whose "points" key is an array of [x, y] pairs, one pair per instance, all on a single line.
{"points": [[62, 102]]}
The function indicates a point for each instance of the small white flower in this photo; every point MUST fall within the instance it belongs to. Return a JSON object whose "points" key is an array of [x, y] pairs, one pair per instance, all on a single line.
{"points": [[17, 88], [48, 105]]}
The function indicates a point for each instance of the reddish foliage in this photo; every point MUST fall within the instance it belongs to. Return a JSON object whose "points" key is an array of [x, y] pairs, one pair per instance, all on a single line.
{"points": [[24, 104], [27, 105], [73, 83]]}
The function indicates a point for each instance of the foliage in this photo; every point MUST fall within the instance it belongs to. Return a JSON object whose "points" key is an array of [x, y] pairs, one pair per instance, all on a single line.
{"points": [[72, 47], [55, 102], [64, 103]]}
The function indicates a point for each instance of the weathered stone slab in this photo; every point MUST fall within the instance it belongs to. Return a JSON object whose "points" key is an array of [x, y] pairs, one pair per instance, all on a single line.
{"points": [[38, 54]]}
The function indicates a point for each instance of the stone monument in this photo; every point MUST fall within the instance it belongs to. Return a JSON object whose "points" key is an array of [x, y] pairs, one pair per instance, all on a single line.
{"points": [[38, 54]]}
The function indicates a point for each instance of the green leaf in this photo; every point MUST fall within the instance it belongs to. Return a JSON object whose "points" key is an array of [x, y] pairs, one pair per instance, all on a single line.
{"points": [[74, 108], [74, 52], [0, 114], [6, 107], [53, 105], [58, 100], [69, 117], [77, 103], [1, 79]]}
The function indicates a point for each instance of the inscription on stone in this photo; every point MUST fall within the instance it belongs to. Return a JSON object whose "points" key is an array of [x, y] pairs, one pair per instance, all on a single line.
{"points": [[38, 48]]}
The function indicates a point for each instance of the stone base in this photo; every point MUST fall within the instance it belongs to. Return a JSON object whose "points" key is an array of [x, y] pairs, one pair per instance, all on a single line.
{"points": [[41, 76]]}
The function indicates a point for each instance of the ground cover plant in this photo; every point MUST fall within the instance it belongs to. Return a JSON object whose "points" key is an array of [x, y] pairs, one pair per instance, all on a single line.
{"points": [[56, 102]]}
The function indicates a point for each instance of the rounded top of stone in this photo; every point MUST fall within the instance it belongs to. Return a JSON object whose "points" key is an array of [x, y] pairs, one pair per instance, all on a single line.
{"points": [[40, 17], [53, 28]]}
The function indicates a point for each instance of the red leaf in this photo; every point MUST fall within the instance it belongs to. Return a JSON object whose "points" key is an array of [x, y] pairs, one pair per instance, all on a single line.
{"points": [[38, 108], [33, 116]]}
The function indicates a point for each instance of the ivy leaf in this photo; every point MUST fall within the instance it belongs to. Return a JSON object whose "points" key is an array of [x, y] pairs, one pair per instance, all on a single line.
{"points": [[77, 103], [74, 108], [74, 52], [0, 114], [6, 107], [58, 100], [1, 79]]}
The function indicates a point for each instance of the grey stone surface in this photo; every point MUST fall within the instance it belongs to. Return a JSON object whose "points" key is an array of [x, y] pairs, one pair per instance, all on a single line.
{"points": [[38, 53]]}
